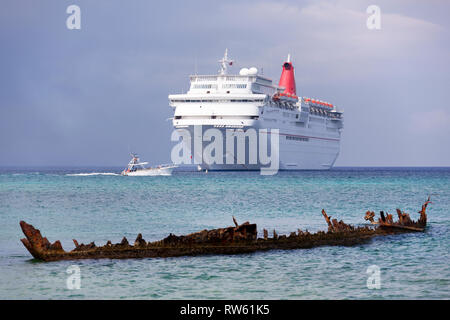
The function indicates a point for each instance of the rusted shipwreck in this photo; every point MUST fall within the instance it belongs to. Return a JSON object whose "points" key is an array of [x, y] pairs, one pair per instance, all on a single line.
{"points": [[242, 238]]}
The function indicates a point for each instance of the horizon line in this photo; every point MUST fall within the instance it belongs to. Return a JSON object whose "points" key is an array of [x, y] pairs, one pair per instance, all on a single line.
{"points": [[120, 166]]}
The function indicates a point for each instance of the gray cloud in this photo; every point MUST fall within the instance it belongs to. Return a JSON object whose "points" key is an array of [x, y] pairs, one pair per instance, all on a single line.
{"points": [[85, 97]]}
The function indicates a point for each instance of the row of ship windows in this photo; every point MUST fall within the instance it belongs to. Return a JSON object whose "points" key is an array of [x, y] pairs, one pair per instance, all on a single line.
{"points": [[228, 78], [218, 100], [296, 138], [224, 86], [205, 86], [317, 111], [214, 117], [234, 86], [204, 79]]}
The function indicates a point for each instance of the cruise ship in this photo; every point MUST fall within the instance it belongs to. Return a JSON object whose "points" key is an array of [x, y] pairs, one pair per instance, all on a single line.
{"points": [[308, 129]]}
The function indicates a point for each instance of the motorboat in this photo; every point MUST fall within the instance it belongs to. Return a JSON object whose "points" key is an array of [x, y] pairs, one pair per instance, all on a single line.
{"points": [[137, 168]]}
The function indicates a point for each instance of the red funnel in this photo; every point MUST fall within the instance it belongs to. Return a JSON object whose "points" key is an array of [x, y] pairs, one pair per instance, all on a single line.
{"points": [[287, 79]]}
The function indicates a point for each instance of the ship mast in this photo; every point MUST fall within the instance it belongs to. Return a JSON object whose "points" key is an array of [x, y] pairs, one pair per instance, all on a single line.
{"points": [[224, 63]]}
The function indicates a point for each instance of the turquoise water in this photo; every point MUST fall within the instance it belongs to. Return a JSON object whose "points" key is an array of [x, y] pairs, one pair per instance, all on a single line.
{"points": [[107, 207]]}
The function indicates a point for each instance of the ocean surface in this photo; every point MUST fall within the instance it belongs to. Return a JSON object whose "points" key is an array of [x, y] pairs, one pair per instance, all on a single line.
{"points": [[80, 203]]}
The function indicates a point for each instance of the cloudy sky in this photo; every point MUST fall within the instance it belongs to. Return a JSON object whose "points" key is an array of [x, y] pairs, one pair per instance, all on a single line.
{"points": [[86, 97]]}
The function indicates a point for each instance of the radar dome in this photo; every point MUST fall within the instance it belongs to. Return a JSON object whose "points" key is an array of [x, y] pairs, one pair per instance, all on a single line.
{"points": [[244, 72], [252, 71]]}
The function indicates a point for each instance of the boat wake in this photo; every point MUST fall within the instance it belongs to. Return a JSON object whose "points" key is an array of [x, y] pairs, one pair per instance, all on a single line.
{"points": [[92, 174]]}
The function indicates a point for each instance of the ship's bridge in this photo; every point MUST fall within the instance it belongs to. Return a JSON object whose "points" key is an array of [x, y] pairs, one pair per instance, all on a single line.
{"points": [[221, 100], [231, 84], [213, 99]]}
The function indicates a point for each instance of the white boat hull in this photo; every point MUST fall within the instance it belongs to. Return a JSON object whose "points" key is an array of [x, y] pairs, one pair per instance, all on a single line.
{"points": [[164, 171]]}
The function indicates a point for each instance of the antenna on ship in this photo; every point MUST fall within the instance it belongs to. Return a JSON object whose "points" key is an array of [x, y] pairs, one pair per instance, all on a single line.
{"points": [[224, 63], [195, 65]]}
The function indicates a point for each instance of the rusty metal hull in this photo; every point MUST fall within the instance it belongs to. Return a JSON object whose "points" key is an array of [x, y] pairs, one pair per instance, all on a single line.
{"points": [[232, 240]]}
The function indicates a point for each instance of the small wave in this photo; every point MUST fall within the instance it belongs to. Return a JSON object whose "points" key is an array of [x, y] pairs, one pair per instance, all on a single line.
{"points": [[25, 173], [92, 174]]}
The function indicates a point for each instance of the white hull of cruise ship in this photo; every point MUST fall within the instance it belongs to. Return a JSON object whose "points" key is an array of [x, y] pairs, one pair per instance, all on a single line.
{"points": [[309, 130], [298, 150]]}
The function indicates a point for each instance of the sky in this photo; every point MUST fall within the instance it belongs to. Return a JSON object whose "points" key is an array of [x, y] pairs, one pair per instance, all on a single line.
{"points": [[88, 97]]}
